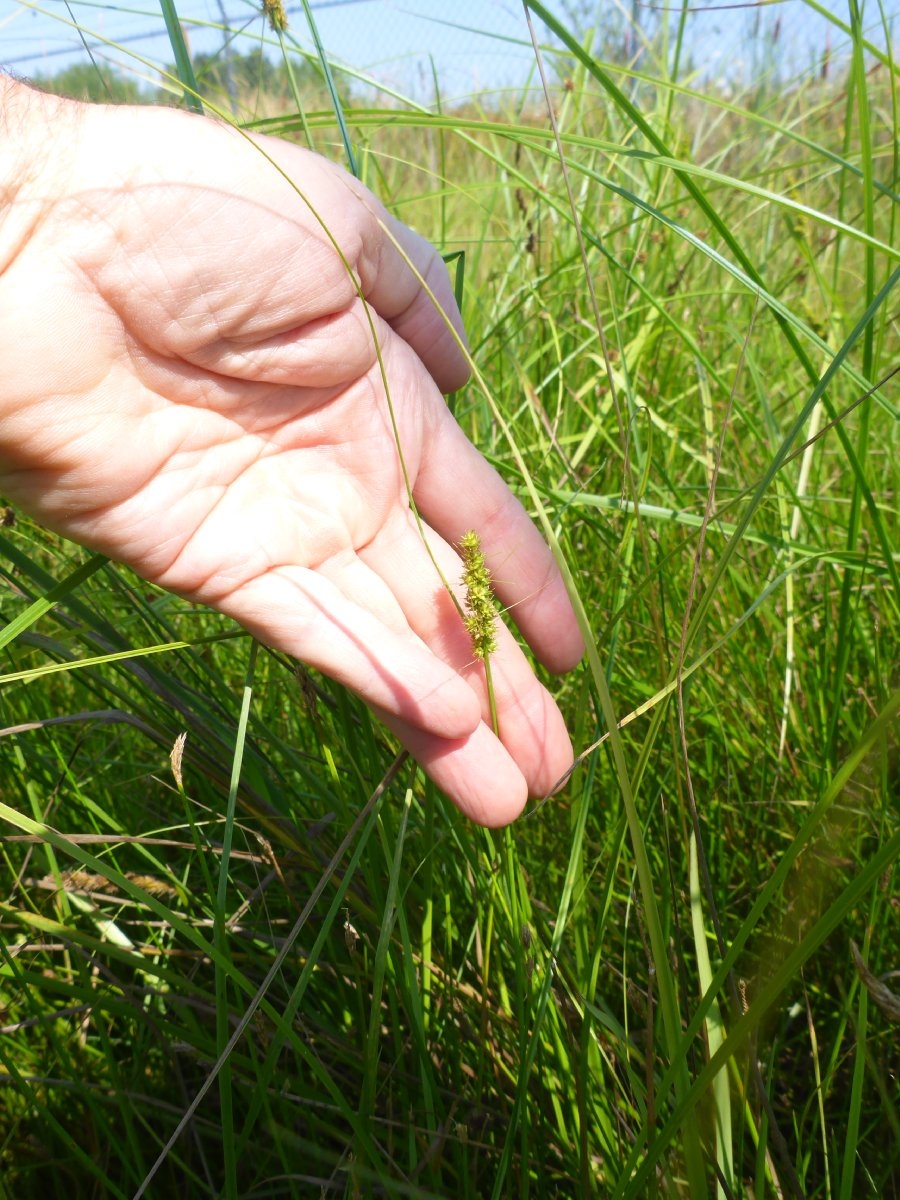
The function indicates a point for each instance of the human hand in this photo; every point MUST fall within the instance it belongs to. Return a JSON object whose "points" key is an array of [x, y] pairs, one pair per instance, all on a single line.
{"points": [[189, 384]]}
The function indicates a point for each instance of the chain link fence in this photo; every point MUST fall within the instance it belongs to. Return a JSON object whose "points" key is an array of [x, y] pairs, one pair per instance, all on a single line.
{"points": [[414, 49]]}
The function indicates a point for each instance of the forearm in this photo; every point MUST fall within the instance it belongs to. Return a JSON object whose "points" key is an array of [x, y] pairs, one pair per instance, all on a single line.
{"points": [[34, 131]]}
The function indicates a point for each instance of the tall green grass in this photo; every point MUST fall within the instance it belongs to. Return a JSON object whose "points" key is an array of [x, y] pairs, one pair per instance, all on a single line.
{"points": [[290, 968]]}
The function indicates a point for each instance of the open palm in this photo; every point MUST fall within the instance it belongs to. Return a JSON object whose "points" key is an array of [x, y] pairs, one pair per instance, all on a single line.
{"points": [[190, 384]]}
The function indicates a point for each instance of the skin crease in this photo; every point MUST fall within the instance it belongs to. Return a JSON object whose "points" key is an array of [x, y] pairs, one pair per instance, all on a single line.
{"points": [[189, 384]]}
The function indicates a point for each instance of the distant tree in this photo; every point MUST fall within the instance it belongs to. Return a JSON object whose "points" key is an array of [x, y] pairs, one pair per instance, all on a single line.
{"points": [[228, 73], [238, 74], [101, 83]]}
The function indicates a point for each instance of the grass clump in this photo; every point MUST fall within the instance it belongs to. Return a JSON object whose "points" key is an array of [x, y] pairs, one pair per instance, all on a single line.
{"points": [[311, 976]]}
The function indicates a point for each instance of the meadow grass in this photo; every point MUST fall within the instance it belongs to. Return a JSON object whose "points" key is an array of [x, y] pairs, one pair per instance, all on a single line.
{"points": [[284, 965]]}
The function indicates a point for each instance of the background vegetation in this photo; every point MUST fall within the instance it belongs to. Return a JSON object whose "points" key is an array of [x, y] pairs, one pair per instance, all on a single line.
{"points": [[288, 967]]}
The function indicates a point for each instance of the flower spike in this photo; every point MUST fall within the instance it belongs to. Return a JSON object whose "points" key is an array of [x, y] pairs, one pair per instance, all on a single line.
{"points": [[481, 616]]}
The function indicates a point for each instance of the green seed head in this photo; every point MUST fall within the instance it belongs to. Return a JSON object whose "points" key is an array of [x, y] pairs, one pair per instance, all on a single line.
{"points": [[277, 17], [481, 617]]}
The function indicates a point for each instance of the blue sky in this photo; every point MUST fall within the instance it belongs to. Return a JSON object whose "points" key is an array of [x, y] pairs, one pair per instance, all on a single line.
{"points": [[485, 47], [474, 44]]}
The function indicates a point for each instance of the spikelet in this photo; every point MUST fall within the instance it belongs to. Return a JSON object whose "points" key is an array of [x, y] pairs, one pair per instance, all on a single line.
{"points": [[274, 11], [481, 617]]}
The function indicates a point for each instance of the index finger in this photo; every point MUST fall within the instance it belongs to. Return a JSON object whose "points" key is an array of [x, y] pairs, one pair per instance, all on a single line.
{"points": [[426, 317]]}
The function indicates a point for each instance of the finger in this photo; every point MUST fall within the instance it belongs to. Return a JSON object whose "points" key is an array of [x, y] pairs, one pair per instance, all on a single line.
{"points": [[530, 725], [306, 615], [487, 779], [475, 772], [426, 317], [391, 260], [457, 490]]}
